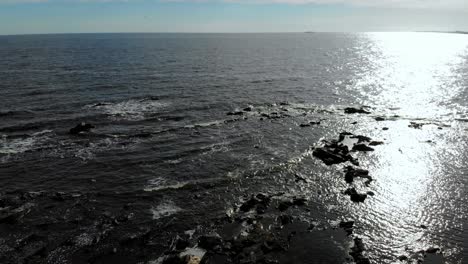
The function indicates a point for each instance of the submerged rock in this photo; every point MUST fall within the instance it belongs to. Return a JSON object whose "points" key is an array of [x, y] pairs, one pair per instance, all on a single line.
{"points": [[357, 252], [379, 118], [83, 127]]}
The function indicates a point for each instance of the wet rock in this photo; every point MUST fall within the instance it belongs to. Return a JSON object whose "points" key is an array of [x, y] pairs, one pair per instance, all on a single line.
{"points": [[285, 219], [370, 193], [248, 108], [351, 173], [379, 118], [357, 252], [376, 143], [353, 110], [299, 201], [9, 215], [80, 128], [362, 147], [385, 128], [416, 125], [284, 205], [235, 113], [347, 226], [361, 138], [432, 250], [333, 153], [259, 201], [210, 242], [402, 258], [305, 125], [355, 196], [423, 226], [299, 178]]}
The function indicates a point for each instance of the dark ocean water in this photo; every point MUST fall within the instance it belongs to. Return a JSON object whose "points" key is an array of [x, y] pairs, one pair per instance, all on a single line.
{"points": [[166, 160]]}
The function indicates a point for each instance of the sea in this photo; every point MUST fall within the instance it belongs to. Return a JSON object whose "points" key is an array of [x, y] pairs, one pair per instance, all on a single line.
{"points": [[203, 148]]}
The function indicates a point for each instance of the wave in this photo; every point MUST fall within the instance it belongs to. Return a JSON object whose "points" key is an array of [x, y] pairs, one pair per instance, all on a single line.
{"points": [[133, 110]]}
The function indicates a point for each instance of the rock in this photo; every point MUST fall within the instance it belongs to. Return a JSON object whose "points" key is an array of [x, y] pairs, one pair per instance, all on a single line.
{"points": [[284, 205], [432, 250], [347, 226], [416, 125], [385, 128], [284, 103], [423, 226], [353, 110], [356, 252], [299, 201], [362, 147], [285, 219], [305, 125], [333, 153], [83, 127], [402, 258], [260, 201], [375, 143], [370, 193], [209, 242], [235, 113], [354, 123], [361, 138], [248, 108], [379, 118], [355, 196], [8, 215], [352, 173]]}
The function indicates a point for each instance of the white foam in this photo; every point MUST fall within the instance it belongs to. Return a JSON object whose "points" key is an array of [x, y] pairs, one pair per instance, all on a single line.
{"points": [[164, 210], [132, 109], [21, 145]]}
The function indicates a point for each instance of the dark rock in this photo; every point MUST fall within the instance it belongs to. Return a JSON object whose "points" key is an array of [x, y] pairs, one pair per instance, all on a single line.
{"points": [[384, 128], [370, 193], [423, 226], [181, 244], [354, 123], [361, 138], [83, 127], [352, 173], [379, 118], [333, 153], [362, 147], [432, 250], [355, 196], [402, 258], [284, 205], [347, 226], [248, 108], [305, 125], [357, 250], [375, 143], [353, 110], [416, 125], [285, 219], [235, 113], [299, 201], [299, 178], [284, 103], [209, 242]]}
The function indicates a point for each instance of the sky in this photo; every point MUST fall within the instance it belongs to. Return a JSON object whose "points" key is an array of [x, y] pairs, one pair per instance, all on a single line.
{"points": [[89, 16]]}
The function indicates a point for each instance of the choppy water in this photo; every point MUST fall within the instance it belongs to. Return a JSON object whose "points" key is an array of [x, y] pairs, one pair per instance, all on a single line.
{"points": [[165, 158]]}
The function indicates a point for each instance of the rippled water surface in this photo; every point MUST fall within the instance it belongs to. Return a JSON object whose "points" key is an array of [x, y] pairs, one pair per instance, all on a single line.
{"points": [[189, 126]]}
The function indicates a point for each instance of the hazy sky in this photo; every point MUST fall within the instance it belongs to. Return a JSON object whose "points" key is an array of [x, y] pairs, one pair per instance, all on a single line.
{"points": [[63, 16]]}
